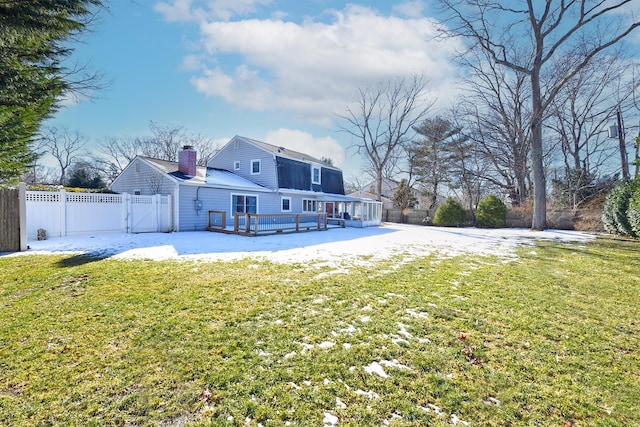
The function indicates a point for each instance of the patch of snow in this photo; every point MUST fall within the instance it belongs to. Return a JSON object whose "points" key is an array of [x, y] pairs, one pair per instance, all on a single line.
{"points": [[326, 344], [340, 404], [376, 368], [403, 331], [394, 364], [335, 248], [346, 345], [329, 419], [393, 417], [365, 319], [397, 340], [418, 314], [455, 420]]}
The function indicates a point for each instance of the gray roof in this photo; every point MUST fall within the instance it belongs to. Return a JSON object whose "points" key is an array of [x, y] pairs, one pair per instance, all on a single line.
{"points": [[207, 176], [285, 152]]}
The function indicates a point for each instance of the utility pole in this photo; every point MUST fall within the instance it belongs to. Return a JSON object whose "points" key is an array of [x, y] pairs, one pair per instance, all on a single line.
{"points": [[623, 149]]}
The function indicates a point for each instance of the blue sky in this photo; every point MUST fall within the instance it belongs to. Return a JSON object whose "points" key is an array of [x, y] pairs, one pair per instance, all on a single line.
{"points": [[274, 70], [279, 71]]}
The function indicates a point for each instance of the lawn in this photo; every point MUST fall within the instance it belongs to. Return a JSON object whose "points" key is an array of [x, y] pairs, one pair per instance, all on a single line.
{"points": [[549, 339]]}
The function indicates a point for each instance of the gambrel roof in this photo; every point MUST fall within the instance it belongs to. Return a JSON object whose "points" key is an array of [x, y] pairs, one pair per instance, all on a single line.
{"points": [[285, 152]]}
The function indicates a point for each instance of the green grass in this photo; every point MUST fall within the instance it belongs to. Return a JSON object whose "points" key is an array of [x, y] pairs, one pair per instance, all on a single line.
{"points": [[552, 339]]}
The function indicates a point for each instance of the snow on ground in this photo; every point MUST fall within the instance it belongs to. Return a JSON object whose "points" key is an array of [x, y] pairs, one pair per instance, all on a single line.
{"points": [[334, 247]]}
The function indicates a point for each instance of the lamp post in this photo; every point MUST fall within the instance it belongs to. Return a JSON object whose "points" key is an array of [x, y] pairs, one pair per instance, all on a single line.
{"points": [[618, 131]]}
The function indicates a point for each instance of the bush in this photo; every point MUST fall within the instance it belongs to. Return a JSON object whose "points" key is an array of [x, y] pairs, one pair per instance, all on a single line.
{"points": [[450, 213], [633, 213], [492, 212], [615, 215]]}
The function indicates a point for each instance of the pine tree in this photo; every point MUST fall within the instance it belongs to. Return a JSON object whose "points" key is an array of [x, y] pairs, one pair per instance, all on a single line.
{"points": [[34, 38]]}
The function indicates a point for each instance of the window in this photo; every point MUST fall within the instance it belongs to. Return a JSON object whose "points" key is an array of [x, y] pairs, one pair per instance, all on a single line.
{"points": [[315, 175], [236, 165], [236, 144], [137, 192], [255, 167], [244, 204], [137, 167], [309, 205], [286, 204]]}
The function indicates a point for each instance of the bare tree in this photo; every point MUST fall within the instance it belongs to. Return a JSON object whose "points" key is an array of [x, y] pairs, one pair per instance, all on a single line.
{"points": [[114, 154], [526, 36], [66, 147], [587, 103], [382, 121], [495, 116]]}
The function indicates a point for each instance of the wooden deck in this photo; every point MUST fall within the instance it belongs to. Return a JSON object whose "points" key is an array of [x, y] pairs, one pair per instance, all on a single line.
{"points": [[257, 224]]}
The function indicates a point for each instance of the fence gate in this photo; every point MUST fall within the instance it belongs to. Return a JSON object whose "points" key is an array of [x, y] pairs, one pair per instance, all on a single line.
{"points": [[144, 216], [12, 223]]}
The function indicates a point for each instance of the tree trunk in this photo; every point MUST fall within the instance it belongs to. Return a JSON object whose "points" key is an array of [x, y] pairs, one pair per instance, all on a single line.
{"points": [[379, 186], [539, 221]]}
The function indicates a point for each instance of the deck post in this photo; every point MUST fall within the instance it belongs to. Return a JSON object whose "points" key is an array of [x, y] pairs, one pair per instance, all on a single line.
{"points": [[297, 223]]}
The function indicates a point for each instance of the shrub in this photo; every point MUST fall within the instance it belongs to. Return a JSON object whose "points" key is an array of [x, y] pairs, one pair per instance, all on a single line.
{"points": [[633, 213], [615, 213], [450, 213], [492, 212]]}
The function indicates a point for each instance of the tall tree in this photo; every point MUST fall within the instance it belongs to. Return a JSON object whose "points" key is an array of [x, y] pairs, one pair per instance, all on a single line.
{"points": [[382, 120], [527, 36], [496, 117], [66, 147], [34, 42], [579, 115], [430, 156]]}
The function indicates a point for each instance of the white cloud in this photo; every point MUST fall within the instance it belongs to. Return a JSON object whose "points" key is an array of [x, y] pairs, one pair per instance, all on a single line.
{"points": [[306, 143], [312, 68], [198, 10], [412, 9]]}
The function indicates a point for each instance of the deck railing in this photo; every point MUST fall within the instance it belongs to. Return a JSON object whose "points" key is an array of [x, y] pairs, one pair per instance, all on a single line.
{"points": [[278, 223], [217, 220]]}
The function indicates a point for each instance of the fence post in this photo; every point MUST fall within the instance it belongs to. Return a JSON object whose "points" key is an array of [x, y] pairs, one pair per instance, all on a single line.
{"points": [[22, 196], [126, 201], [63, 213], [156, 208]]}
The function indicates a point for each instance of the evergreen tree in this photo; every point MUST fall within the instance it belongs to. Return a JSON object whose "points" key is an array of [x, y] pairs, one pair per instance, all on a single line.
{"points": [[34, 38]]}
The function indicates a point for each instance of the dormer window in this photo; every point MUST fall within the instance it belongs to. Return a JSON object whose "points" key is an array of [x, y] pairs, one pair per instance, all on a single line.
{"points": [[315, 175], [255, 167]]}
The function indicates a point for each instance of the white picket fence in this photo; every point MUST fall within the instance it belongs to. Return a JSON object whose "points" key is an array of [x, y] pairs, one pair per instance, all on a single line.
{"points": [[62, 213]]}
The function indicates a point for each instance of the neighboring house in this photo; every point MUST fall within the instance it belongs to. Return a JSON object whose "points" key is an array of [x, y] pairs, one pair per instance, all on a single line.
{"points": [[389, 186], [245, 176], [386, 202]]}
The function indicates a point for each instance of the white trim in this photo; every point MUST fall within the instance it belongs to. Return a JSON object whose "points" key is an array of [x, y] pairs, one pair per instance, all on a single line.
{"points": [[313, 169], [282, 199], [314, 202], [259, 166], [244, 195]]}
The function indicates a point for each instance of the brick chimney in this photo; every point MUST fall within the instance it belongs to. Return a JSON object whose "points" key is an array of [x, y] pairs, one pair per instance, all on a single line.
{"points": [[187, 160]]}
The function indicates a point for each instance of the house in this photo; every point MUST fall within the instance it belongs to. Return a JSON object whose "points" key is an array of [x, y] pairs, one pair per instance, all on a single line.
{"points": [[246, 176], [389, 186]]}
